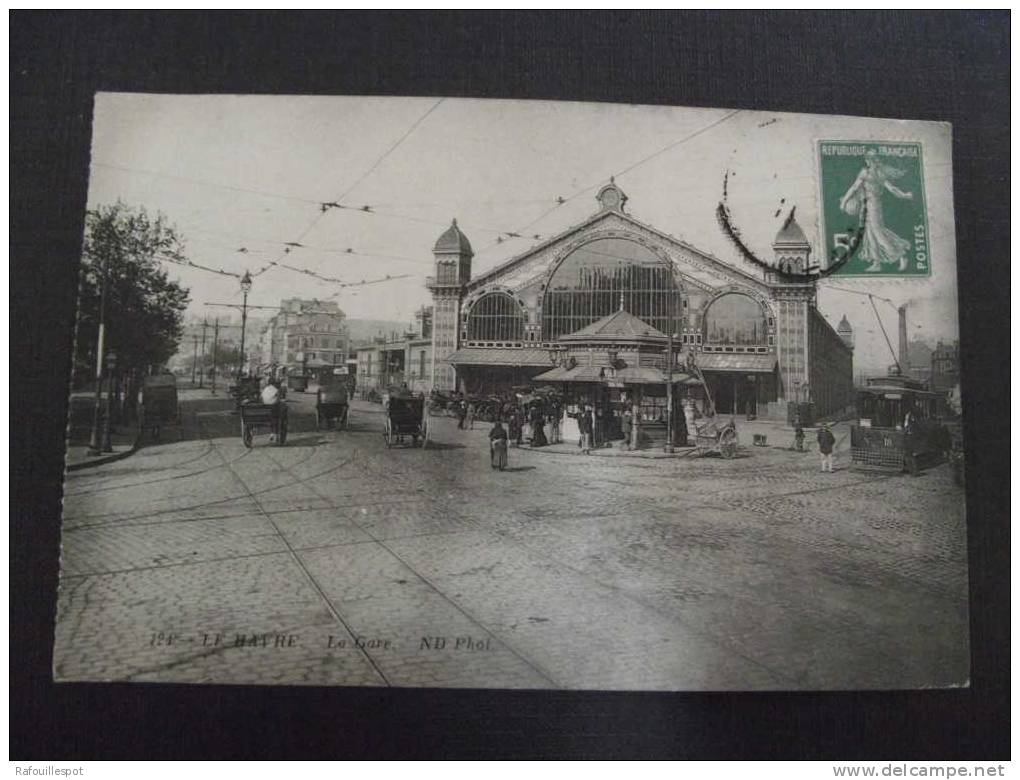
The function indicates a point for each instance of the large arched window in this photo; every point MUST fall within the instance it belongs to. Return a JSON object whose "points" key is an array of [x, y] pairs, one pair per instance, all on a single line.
{"points": [[495, 317], [737, 319], [593, 280]]}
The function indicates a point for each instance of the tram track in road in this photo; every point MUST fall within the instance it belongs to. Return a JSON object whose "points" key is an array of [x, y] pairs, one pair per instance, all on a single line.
{"points": [[381, 543], [208, 451], [292, 552], [127, 521]]}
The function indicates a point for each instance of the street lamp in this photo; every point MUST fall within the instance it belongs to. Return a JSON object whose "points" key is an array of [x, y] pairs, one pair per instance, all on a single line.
{"points": [[111, 365], [245, 288], [669, 357], [670, 325], [95, 441]]}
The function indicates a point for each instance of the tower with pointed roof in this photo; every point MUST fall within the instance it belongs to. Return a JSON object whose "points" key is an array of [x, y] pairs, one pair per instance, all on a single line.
{"points": [[794, 300], [846, 332], [453, 254], [791, 247]]}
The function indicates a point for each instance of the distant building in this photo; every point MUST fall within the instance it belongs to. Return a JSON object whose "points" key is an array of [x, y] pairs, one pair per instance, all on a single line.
{"points": [[392, 361], [918, 364], [305, 336], [945, 367]]}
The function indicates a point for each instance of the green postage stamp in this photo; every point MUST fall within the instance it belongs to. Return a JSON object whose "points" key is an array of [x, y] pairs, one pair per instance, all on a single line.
{"points": [[872, 200]]}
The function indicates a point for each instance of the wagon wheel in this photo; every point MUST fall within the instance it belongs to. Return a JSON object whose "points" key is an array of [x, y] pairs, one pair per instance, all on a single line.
{"points": [[728, 444], [281, 434], [246, 434]]}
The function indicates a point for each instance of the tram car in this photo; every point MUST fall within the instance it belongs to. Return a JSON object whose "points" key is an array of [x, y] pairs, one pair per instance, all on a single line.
{"points": [[158, 407], [332, 407], [897, 427]]}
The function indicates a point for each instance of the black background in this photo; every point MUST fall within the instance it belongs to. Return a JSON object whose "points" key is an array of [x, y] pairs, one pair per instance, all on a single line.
{"points": [[941, 66]]}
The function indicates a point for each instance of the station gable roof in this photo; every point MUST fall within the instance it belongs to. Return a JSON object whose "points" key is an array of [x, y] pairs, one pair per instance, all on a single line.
{"points": [[620, 325]]}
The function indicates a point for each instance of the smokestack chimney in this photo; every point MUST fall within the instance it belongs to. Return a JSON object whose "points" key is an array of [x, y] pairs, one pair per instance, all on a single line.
{"points": [[904, 362]]}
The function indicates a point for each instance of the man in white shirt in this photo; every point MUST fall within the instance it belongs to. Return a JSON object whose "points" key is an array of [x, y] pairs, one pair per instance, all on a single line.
{"points": [[270, 394], [271, 397]]}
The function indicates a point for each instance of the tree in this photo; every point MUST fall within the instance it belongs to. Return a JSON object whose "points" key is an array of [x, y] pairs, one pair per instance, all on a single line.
{"points": [[144, 307]]}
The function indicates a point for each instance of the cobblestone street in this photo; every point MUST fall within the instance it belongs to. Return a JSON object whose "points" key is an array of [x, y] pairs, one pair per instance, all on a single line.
{"points": [[334, 560]]}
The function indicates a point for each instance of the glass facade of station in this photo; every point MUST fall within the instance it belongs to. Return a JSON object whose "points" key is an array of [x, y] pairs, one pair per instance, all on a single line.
{"points": [[596, 278]]}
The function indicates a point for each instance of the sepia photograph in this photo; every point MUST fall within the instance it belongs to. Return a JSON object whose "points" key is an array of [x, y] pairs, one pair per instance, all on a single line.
{"points": [[431, 392]]}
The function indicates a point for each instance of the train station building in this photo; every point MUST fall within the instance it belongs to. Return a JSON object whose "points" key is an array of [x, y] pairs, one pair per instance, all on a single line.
{"points": [[591, 311]]}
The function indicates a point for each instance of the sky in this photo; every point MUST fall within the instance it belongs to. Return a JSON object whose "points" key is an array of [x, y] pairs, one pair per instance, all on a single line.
{"points": [[240, 177]]}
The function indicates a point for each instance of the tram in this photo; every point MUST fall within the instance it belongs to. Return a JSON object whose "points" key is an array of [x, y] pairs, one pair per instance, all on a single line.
{"points": [[897, 426]]}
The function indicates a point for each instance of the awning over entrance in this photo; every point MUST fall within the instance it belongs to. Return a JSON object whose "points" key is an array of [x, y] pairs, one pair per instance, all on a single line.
{"points": [[499, 356], [575, 374], [737, 363], [636, 375]]}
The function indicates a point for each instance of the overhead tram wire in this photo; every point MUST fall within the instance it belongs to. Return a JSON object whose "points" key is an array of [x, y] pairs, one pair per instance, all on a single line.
{"points": [[514, 234], [318, 217], [205, 183], [628, 169], [328, 279], [190, 264], [367, 208], [244, 249]]}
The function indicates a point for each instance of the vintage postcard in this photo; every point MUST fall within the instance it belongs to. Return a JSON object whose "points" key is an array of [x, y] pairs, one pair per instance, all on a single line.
{"points": [[433, 392]]}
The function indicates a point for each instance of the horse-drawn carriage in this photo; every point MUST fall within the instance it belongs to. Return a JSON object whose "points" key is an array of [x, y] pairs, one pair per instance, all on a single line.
{"points": [[247, 389], [714, 436], [158, 407], [259, 418], [297, 382], [405, 418], [332, 407]]}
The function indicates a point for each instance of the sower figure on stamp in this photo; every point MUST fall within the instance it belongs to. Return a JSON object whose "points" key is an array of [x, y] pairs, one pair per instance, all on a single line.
{"points": [[826, 441], [880, 245]]}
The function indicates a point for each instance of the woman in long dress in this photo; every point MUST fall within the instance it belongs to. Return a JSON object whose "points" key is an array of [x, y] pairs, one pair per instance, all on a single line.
{"points": [[516, 427], [538, 438], [497, 446], [880, 246]]}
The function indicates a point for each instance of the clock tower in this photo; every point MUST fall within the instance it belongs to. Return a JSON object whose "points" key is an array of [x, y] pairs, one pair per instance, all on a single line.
{"points": [[611, 197]]}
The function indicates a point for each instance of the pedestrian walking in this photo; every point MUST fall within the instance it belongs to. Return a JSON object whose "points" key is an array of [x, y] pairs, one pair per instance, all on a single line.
{"points": [[584, 424], [598, 430], [826, 441], [554, 424], [461, 414], [798, 438], [516, 427], [626, 426], [497, 446], [538, 427], [471, 415]]}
